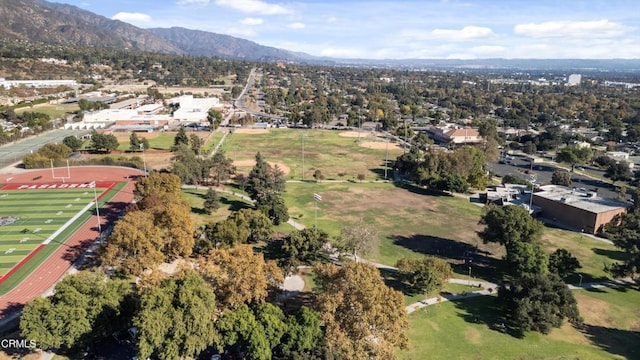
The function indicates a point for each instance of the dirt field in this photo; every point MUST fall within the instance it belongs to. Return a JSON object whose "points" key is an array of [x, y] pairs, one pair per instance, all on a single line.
{"points": [[355, 134], [378, 145], [251, 131], [250, 163]]}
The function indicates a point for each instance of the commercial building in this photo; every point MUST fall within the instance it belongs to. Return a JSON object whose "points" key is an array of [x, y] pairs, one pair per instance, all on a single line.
{"points": [[446, 134], [579, 210], [8, 84]]}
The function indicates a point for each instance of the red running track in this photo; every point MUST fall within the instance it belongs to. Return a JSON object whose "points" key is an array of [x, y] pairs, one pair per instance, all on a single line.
{"points": [[50, 271]]}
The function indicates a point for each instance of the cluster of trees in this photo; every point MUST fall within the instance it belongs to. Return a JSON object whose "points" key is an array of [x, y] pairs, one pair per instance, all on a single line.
{"points": [[156, 229], [265, 185], [104, 143], [45, 155], [246, 226], [87, 105], [137, 144], [26, 123], [533, 295], [453, 171], [623, 231], [193, 169]]}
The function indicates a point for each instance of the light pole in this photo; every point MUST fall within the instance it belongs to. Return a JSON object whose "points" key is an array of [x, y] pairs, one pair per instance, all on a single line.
{"points": [[386, 159], [95, 200], [533, 182], [144, 159], [469, 276], [316, 197], [580, 283], [302, 136]]}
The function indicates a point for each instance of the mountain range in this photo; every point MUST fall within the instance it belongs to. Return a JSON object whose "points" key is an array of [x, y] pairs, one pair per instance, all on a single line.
{"points": [[42, 21], [54, 23]]}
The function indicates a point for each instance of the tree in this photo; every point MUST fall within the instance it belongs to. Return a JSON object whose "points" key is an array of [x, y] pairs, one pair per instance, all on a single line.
{"points": [[73, 142], [215, 118], [163, 184], [563, 263], [537, 302], [196, 143], [180, 139], [318, 175], [176, 318], [305, 246], [513, 179], [560, 177], [519, 233], [145, 143], [135, 244], [363, 317], [174, 221], [84, 307], [186, 165], [211, 201], [264, 179], [240, 227], [574, 155], [425, 275], [617, 171], [103, 142], [272, 204], [304, 333], [358, 238], [134, 142], [240, 276], [221, 167], [623, 231], [246, 335]]}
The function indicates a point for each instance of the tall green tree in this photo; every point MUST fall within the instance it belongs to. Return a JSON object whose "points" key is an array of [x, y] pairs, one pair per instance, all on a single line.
{"points": [[618, 171], [358, 238], [211, 201], [304, 333], [215, 118], [574, 155], [73, 142], [624, 231], [134, 142], [103, 142], [537, 302], [561, 178], [176, 318], [305, 246], [563, 263], [221, 167], [425, 275], [196, 143], [181, 138]]}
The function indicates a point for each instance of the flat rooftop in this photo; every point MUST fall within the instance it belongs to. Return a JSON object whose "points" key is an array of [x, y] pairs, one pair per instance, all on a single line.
{"points": [[584, 200]]}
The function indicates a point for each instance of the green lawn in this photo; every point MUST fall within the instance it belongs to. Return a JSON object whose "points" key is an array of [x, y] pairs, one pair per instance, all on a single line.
{"points": [[228, 203], [462, 330], [324, 150], [162, 142], [53, 110]]}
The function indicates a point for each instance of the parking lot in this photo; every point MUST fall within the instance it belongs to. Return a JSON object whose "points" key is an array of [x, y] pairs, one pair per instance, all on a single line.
{"points": [[521, 166]]}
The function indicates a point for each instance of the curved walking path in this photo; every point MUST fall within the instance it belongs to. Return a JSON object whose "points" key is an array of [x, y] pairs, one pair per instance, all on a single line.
{"points": [[42, 280]]}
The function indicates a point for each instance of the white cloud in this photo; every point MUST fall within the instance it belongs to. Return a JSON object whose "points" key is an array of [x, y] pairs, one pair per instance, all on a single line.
{"points": [[196, 2], [130, 17], [296, 25], [599, 28], [251, 21], [341, 52], [332, 19], [465, 34], [254, 7]]}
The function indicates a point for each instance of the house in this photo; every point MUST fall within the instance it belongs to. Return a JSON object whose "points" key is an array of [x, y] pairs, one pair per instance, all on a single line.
{"points": [[447, 134], [581, 210]]}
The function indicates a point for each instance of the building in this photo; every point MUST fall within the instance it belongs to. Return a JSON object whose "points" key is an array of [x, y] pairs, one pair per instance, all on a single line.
{"points": [[8, 84], [574, 79], [577, 209], [448, 133], [194, 109]]}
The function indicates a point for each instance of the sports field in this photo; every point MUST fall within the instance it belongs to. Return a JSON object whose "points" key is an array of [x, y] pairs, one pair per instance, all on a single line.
{"points": [[34, 215]]}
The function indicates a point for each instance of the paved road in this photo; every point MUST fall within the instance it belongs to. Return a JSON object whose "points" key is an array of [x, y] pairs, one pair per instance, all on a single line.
{"points": [[14, 152], [544, 171]]}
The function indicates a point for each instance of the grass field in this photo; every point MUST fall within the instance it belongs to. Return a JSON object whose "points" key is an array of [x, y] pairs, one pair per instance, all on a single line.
{"points": [[53, 110], [163, 141], [228, 203], [40, 214], [325, 150]]}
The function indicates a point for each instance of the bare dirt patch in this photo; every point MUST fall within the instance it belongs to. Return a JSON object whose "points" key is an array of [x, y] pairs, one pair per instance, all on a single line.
{"points": [[251, 131], [356, 134], [594, 311], [378, 145], [474, 336], [250, 163]]}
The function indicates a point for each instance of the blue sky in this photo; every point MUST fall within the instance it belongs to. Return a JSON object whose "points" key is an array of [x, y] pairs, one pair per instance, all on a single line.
{"points": [[387, 29]]}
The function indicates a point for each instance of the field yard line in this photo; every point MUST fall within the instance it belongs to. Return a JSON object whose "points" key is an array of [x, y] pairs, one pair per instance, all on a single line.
{"points": [[67, 224]]}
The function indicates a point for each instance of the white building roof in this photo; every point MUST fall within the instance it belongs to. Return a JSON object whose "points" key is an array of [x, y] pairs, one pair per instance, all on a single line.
{"points": [[579, 199]]}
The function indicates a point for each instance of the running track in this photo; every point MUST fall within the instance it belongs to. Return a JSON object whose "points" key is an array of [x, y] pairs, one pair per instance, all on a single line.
{"points": [[55, 266]]}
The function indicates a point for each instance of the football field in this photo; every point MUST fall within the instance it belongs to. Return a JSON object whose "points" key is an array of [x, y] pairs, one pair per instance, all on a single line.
{"points": [[35, 215]]}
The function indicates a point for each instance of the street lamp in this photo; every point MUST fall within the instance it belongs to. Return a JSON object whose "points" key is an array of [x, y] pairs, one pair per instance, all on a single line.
{"points": [[316, 197], [580, 283], [469, 276], [144, 159], [95, 200], [532, 179]]}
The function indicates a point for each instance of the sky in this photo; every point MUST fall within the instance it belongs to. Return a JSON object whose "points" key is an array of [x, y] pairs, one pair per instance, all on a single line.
{"points": [[403, 29]]}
